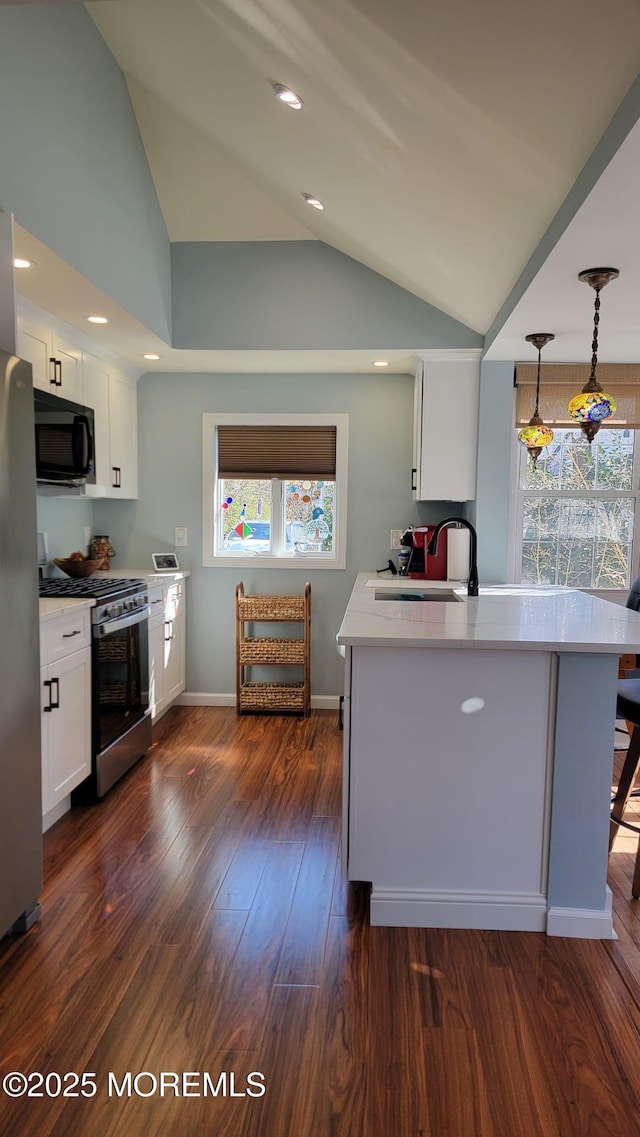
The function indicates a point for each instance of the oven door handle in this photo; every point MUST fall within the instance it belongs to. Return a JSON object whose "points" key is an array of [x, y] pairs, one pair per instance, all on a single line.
{"points": [[137, 617]]}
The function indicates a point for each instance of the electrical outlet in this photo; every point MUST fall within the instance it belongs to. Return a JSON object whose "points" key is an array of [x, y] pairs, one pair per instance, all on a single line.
{"points": [[87, 534], [395, 538], [180, 536]]}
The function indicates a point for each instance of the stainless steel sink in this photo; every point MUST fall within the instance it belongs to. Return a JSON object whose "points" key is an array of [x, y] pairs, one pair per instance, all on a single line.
{"points": [[435, 595]]}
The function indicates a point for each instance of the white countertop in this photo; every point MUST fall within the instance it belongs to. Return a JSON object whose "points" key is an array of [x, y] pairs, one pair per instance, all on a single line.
{"points": [[53, 606], [534, 618], [149, 577]]}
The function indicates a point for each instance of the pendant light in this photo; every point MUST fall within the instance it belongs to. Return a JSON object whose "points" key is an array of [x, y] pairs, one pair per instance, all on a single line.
{"points": [[593, 405], [536, 435]]}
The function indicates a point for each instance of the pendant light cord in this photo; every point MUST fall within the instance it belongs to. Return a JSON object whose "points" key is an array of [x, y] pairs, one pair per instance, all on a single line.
{"points": [[594, 342], [538, 383]]}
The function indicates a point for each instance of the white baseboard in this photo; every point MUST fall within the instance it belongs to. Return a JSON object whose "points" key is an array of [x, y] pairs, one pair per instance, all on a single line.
{"points": [[583, 923], [397, 908], [215, 699]]}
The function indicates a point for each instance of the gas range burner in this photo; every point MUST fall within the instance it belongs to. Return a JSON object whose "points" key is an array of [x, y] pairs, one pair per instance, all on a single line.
{"points": [[100, 588]]}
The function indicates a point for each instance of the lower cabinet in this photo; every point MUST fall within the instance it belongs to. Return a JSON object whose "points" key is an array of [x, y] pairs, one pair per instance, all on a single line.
{"points": [[166, 645], [66, 726]]}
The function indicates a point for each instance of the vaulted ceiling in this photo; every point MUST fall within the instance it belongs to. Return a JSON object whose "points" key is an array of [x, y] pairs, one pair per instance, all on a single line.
{"points": [[442, 138]]}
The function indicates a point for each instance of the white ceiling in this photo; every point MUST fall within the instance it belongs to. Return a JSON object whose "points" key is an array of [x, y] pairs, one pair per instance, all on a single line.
{"points": [[442, 137]]}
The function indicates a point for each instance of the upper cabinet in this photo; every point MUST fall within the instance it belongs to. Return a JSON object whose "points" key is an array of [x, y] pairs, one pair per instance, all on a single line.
{"points": [[112, 397], [64, 368], [445, 426], [56, 363]]}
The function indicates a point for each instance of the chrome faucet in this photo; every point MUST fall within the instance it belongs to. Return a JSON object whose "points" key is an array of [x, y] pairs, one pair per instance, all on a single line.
{"points": [[432, 547]]}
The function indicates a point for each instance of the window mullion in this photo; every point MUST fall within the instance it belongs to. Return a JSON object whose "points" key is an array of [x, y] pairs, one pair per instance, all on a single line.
{"points": [[277, 518]]}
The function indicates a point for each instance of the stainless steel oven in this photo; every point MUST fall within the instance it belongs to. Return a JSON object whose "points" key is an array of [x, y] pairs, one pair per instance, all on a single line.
{"points": [[120, 669]]}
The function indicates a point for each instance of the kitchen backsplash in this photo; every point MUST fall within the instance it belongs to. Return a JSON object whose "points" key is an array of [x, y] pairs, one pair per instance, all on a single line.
{"points": [[64, 521]]}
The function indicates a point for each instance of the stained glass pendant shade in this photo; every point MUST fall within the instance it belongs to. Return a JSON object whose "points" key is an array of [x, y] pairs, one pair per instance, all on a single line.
{"points": [[535, 435], [593, 405]]}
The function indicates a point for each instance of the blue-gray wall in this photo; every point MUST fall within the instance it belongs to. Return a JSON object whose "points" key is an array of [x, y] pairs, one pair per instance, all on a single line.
{"points": [[297, 294], [72, 166], [170, 409], [493, 488], [64, 520]]}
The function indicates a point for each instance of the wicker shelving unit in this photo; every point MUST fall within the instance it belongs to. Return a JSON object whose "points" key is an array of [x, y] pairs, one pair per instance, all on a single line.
{"points": [[278, 696]]}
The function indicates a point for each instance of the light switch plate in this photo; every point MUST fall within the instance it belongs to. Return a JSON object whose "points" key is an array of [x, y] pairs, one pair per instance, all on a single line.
{"points": [[87, 534], [181, 536]]}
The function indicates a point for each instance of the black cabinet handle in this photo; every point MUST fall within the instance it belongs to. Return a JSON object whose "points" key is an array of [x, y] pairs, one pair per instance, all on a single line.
{"points": [[414, 471], [47, 683], [118, 482], [53, 371], [68, 636], [55, 706], [167, 624]]}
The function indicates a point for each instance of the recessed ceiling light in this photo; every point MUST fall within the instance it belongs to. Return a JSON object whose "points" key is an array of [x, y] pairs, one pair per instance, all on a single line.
{"points": [[381, 363], [97, 319], [20, 262], [150, 355], [287, 96], [314, 201]]}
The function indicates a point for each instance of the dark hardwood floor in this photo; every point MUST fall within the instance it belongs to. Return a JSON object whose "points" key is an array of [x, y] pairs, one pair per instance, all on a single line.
{"points": [[197, 921]]}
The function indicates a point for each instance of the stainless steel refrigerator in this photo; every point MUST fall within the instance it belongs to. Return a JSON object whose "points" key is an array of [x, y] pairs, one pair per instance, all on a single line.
{"points": [[20, 776]]}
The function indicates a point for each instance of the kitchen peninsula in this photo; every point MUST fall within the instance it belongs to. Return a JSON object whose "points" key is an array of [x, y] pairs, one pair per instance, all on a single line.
{"points": [[478, 753]]}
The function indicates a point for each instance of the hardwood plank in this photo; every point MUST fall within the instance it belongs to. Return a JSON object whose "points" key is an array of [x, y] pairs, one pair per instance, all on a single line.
{"points": [[186, 909], [237, 1017], [457, 1094], [285, 1056], [303, 946], [338, 1072], [396, 1100], [240, 884]]}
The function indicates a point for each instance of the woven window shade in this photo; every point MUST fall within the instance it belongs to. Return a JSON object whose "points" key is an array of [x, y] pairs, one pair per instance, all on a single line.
{"points": [[276, 451], [559, 382]]}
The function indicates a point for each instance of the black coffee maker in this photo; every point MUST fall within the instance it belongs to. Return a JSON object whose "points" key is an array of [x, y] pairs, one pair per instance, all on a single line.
{"points": [[411, 555]]}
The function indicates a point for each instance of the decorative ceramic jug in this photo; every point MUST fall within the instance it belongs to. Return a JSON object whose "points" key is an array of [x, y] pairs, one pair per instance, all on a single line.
{"points": [[101, 550]]}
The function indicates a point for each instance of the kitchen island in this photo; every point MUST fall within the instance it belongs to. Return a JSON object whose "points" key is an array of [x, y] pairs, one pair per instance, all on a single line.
{"points": [[478, 753]]}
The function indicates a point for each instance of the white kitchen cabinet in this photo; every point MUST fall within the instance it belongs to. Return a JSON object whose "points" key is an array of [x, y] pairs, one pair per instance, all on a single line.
{"points": [[113, 400], [166, 645], [123, 437], [65, 687], [445, 426], [56, 362], [34, 345]]}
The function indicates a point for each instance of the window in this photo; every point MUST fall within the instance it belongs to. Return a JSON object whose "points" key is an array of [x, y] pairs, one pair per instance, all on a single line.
{"points": [[577, 510], [275, 489]]}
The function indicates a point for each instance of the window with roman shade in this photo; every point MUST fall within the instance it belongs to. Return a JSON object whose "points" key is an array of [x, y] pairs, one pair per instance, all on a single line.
{"points": [[275, 489]]}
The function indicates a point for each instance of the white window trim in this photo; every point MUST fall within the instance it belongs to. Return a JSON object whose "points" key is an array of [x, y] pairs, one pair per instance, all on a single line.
{"points": [[516, 513], [210, 422]]}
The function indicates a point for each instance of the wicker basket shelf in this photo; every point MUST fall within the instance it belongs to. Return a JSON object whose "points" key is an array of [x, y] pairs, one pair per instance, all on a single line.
{"points": [[279, 696], [275, 697], [280, 608], [254, 652]]}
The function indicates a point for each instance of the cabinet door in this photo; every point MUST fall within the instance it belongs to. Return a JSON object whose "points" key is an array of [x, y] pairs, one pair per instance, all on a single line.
{"points": [[45, 701], [69, 369], [123, 437], [96, 395], [174, 644], [157, 632], [446, 429], [69, 725], [34, 345]]}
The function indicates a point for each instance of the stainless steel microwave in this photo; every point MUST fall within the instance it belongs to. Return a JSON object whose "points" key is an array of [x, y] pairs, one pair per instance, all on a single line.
{"points": [[65, 450]]}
